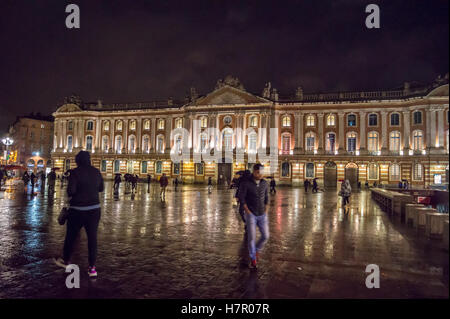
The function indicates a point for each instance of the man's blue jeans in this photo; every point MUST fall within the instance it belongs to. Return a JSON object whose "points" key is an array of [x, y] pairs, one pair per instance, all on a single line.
{"points": [[263, 225]]}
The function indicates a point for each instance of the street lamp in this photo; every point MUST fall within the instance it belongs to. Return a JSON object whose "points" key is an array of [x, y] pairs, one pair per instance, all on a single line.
{"points": [[7, 141]]}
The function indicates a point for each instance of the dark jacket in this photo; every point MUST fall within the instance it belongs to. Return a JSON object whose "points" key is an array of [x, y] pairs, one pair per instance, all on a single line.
{"points": [[163, 181], [85, 182], [256, 197]]}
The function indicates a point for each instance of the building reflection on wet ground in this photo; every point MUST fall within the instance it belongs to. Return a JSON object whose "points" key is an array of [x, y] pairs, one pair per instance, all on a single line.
{"points": [[192, 245]]}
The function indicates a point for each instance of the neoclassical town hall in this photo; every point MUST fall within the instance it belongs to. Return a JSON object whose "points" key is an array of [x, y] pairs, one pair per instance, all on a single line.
{"points": [[378, 136]]}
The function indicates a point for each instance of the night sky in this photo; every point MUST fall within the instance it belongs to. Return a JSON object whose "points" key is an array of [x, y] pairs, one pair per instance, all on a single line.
{"points": [[131, 51]]}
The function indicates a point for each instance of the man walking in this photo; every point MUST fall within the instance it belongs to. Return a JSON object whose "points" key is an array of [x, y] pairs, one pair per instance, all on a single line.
{"points": [[314, 189], [149, 180], [163, 182], [209, 185], [254, 196], [51, 181], [85, 182], [306, 185], [272, 186]]}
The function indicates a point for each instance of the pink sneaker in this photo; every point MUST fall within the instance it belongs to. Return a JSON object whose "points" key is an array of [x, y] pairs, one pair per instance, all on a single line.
{"points": [[92, 272]]}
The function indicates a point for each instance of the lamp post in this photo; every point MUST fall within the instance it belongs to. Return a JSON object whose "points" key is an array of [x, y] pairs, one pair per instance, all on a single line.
{"points": [[7, 141]]}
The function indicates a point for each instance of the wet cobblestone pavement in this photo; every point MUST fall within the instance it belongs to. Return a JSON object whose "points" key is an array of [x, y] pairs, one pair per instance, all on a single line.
{"points": [[193, 246]]}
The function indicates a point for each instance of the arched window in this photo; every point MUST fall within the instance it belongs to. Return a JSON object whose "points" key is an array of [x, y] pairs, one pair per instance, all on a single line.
{"points": [[395, 119], [285, 169], [133, 125], [310, 120], [330, 144], [158, 167], [160, 144], [286, 121], [227, 143], [69, 143], [118, 144], [418, 172], [253, 121], [199, 169], [417, 140], [204, 122], [372, 144], [131, 143], [373, 120], [331, 120], [203, 142], [179, 123], [105, 142], [373, 171], [252, 138], [146, 124], [145, 144], [89, 140], [309, 171], [116, 166], [105, 125], [351, 142], [394, 141], [119, 125], [310, 141], [160, 124], [90, 125], [394, 172], [286, 143], [351, 120], [417, 117]]}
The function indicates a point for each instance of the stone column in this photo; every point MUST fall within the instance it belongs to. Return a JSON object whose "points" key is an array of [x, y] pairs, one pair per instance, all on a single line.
{"points": [[81, 130], [300, 133], [362, 132], [406, 132], [341, 132], [97, 135], [168, 129], [64, 134], [321, 133], [297, 131], [433, 131], [428, 129], [112, 127], [153, 135], [138, 135], [441, 116], [125, 136], [384, 136]]}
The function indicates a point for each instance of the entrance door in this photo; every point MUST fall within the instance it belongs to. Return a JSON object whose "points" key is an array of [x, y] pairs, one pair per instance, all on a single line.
{"points": [[351, 173], [224, 173], [330, 175]]}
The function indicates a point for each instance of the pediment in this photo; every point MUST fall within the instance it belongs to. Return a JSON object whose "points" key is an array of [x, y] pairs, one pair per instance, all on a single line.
{"points": [[439, 91], [68, 108], [228, 95]]}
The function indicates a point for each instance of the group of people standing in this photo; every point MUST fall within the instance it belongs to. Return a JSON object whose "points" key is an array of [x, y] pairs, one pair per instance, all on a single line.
{"points": [[307, 184]]}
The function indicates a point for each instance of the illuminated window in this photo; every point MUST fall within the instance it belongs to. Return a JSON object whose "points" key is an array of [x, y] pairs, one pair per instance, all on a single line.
{"points": [[394, 141], [145, 144], [373, 171], [394, 172], [131, 143], [144, 167], [286, 143], [160, 144], [228, 140], [351, 120], [372, 144], [146, 124], [351, 142], [199, 169], [309, 171], [133, 125], [286, 121], [158, 167], [417, 140], [70, 126], [118, 144], [178, 144], [106, 125], [204, 122], [160, 124], [105, 143], [119, 125], [89, 140], [310, 141], [179, 123], [331, 120], [330, 142], [116, 166], [69, 142], [203, 142], [252, 142], [418, 172], [253, 121], [285, 169], [310, 120]]}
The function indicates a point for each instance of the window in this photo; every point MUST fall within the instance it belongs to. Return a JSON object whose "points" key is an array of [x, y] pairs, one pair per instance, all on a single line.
{"points": [[204, 122], [286, 121], [70, 126], [310, 141], [373, 120], [66, 165], [69, 143], [417, 116], [394, 172], [179, 123], [330, 142], [133, 125], [418, 172], [310, 120], [42, 126], [178, 144], [285, 169], [158, 167], [373, 171], [286, 143], [106, 126], [331, 120], [146, 124], [89, 140], [351, 120], [351, 142], [252, 143], [228, 140], [160, 124], [203, 142], [394, 142], [144, 167], [253, 121], [90, 125], [103, 167], [199, 169], [160, 144], [372, 144], [118, 144], [395, 119], [145, 144], [131, 143], [176, 168], [105, 143], [309, 172], [417, 140], [119, 125], [116, 166]]}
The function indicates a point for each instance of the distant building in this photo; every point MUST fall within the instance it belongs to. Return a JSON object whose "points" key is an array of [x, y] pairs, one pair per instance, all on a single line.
{"points": [[378, 136], [33, 141]]}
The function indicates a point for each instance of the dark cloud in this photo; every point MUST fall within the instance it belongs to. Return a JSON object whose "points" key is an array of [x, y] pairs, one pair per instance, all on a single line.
{"points": [[143, 50]]}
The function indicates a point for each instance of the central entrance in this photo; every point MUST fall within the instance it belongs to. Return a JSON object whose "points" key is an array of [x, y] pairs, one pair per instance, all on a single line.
{"points": [[351, 173], [224, 173], [330, 175]]}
